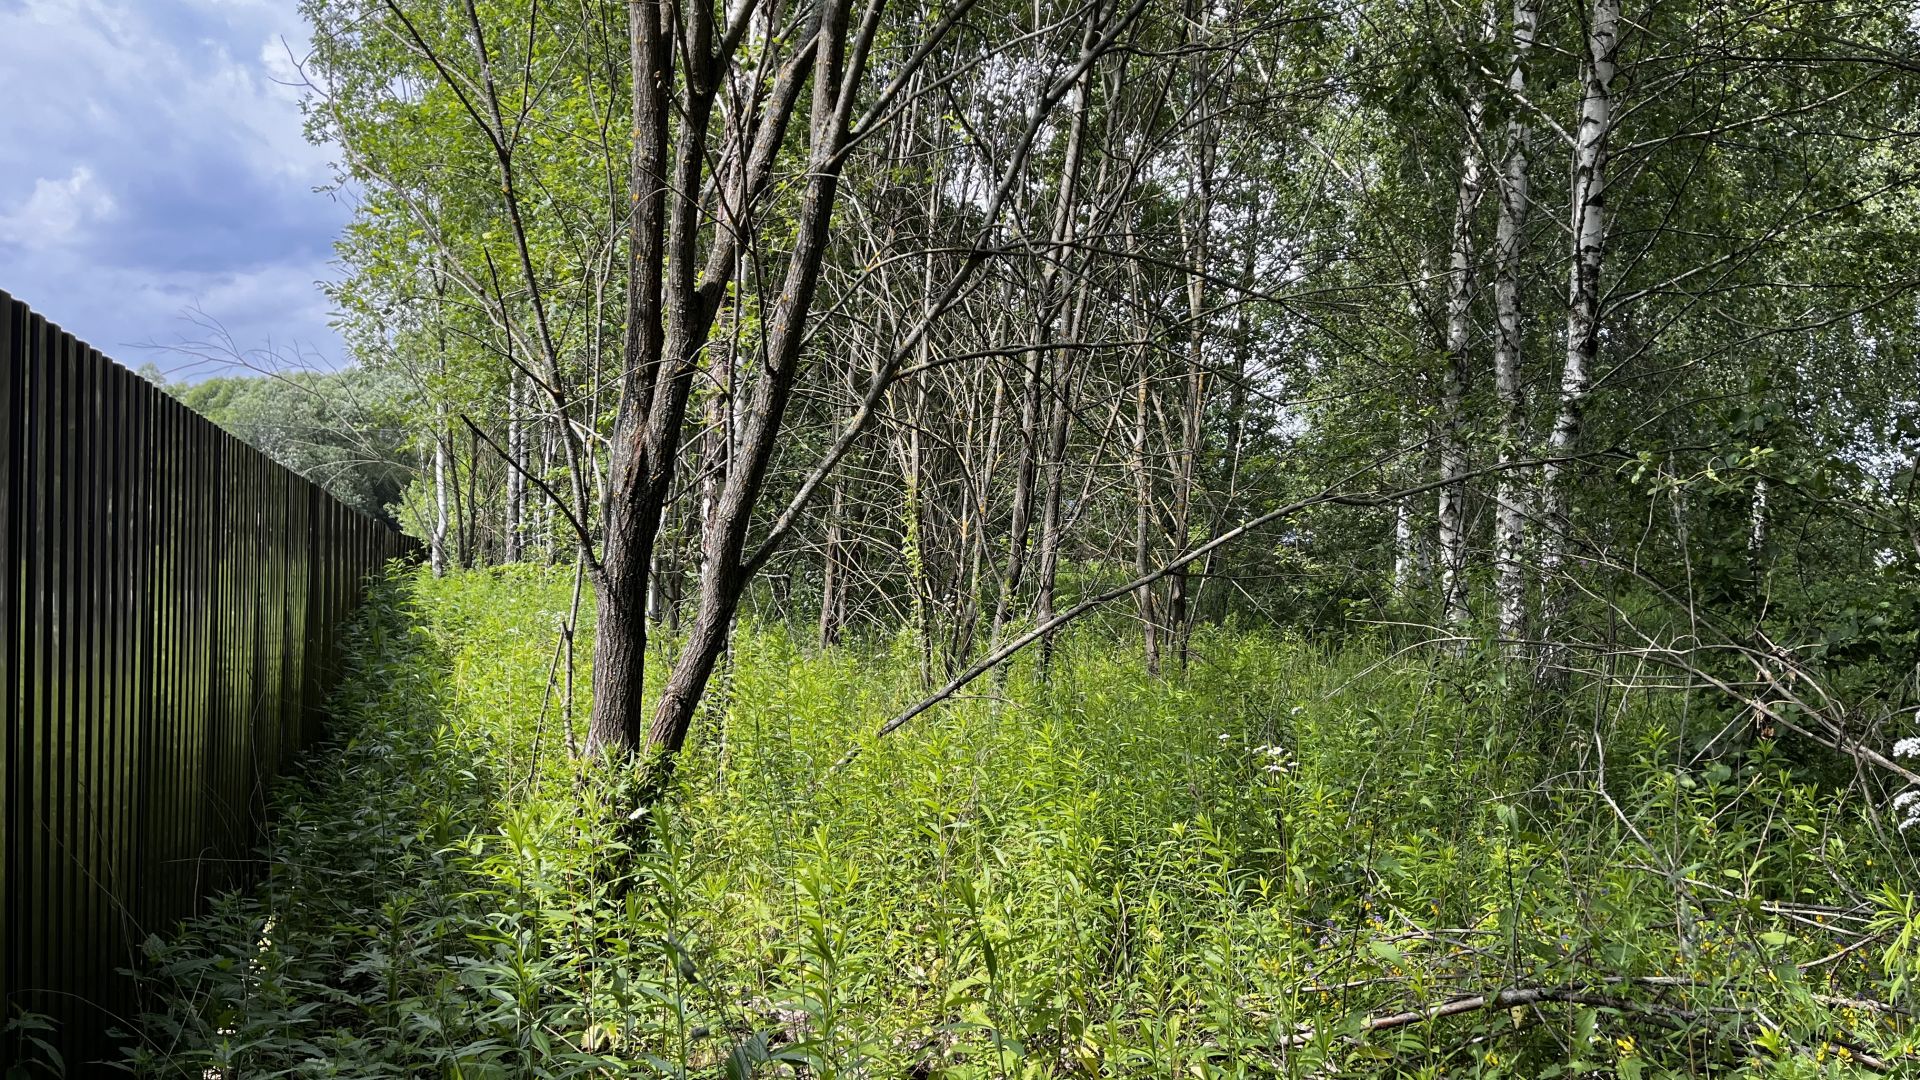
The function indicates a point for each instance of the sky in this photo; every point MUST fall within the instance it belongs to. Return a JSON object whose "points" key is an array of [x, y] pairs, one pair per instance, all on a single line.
{"points": [[154, 179]]}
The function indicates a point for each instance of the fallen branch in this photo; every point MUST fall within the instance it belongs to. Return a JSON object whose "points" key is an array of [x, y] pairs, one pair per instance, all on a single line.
{"points": [[1328, 496], [1768, 664], [1570, 994], [1505, 999]]}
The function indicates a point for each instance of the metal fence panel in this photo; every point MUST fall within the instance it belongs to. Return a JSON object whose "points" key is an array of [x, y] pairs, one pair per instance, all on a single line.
{"points": [[168, 628]]}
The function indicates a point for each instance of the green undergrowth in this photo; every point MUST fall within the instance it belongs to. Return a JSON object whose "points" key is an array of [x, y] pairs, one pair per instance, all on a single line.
{"points": [[1090, 873]]}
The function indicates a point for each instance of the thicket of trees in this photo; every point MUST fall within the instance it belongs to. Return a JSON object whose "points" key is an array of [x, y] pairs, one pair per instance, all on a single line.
{"points": [[1581, 334], [1479, 438], [343, 430]]}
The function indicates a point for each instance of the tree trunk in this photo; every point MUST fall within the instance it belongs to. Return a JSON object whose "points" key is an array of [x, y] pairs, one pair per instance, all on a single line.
{"points": [[470, 517], [1052, 526], [1403, 555], [1588, 220], [437, 544], [632, 512], [1048, 303], [1455, 613], [1510, 509], [516, 523], [1236, 407], [673, 297], [1192, 413], [832, 587], [724, 572], [549, 511], [1145, 599], [1197, 224], [1023, 481], [978, 512]]}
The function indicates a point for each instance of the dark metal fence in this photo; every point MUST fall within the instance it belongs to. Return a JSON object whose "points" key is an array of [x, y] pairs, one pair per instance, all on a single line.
{"points": [[168, 623]]}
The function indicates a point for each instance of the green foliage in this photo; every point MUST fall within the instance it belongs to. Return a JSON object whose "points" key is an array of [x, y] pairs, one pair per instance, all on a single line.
{"points": [[1090, 874], [29, 1039], [334, 428]]}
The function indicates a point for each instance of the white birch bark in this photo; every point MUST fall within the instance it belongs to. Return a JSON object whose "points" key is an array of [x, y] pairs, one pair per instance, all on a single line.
{"points": [[1588, 220], [437, 543], [1453, 449], [1410, 554], [1510, 499], [1403, 562], [516, 471]]}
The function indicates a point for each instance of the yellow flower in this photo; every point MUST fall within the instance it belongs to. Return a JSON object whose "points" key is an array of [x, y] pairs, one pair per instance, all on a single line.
{"points": [[1625, 1043]]}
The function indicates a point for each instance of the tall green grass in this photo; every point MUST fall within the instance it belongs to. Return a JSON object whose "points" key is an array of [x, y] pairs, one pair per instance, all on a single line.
{"points": [[1086, 873]]}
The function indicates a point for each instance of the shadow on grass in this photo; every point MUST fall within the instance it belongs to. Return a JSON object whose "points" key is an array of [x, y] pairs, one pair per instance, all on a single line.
{"points": [[351, 944]]}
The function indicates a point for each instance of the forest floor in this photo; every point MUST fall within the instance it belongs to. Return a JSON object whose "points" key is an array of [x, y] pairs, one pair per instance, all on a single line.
{"points": [[1288, 861]]}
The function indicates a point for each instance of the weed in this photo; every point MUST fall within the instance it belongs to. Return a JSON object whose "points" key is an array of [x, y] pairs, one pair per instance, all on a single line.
{"points": [[1238, 872]]}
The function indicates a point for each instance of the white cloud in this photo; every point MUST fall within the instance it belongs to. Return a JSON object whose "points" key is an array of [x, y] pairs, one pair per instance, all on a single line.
{"points": [[151, 159], [271, 313], [57, 211]]}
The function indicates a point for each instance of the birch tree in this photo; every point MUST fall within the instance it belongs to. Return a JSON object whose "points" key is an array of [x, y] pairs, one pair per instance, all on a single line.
{"points": [[1456, 371], [1515, 193], [1587, 224]]}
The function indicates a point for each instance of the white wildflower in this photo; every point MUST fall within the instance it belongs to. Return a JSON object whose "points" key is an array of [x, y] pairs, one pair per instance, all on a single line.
{"points": [[1906, 807]]}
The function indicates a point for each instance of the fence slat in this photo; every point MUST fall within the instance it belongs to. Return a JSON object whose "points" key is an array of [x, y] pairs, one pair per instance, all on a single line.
{"points": [[10, 684], [168, 622]]}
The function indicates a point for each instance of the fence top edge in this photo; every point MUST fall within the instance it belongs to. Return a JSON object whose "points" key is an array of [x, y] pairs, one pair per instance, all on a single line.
{"points": [[116, 369]]}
